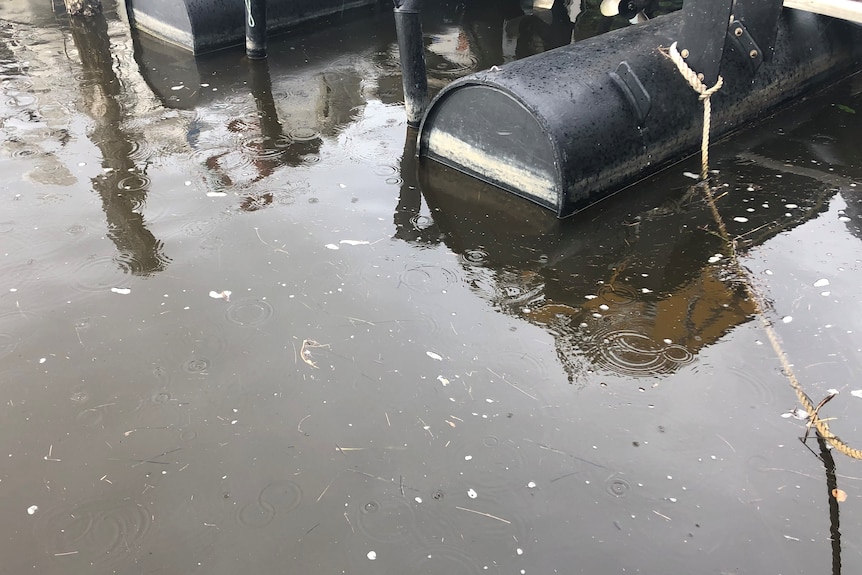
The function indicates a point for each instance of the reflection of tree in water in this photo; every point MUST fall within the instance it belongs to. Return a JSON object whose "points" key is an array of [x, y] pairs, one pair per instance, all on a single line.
{"points": [[122, 186], [263, 141]]}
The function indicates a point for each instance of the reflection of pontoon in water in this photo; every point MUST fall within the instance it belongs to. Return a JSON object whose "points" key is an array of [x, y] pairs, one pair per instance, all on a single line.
{"points": [[641, 285]]}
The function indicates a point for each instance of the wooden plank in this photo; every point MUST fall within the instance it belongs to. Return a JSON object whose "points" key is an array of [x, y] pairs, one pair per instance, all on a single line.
{"points": [[843, 9]]}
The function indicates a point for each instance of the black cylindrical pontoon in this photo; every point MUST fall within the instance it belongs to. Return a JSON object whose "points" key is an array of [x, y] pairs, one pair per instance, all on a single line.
{"points": [[569, 127]]}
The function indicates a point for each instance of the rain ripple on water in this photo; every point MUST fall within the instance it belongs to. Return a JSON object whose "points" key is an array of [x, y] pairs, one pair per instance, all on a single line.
{"points": [[100, 532], [387, 521], [248, 313], [278, 498], [629, 352]]}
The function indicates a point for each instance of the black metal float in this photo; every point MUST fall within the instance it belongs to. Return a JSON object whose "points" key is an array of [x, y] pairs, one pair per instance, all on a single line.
{"points": [[206, 25], [574, 125]]}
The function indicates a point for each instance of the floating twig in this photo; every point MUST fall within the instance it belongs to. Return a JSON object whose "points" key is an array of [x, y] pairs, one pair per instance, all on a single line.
{"points": [[305, 351], [299, 425], [506, 521]]}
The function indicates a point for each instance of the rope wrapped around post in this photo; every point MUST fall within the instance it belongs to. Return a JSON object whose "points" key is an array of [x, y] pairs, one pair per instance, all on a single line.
{"points": [[705, 92]]}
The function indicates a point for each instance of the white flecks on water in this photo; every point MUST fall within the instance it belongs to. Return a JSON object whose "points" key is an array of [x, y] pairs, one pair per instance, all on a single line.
{"points": [[443, 380], [121, 291], [32, 509], [787, 319], [372, 555], [331, 246], [519, 551], [822, 282], [768, 272], [355, 242], [433, 355], [590, 296], [471, 493], [856, 393], [216, 194], [691, 175], [796, 413], [468, 457], [531, 484], [740, 219], [715, 258]]}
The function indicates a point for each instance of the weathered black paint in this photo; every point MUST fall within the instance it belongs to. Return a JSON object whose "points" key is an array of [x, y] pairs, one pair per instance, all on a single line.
{"points": [[560, 114]]}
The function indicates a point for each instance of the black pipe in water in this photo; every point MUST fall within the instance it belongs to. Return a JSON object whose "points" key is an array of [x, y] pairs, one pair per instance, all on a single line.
{"points": [[255, 29], [411, 50]]}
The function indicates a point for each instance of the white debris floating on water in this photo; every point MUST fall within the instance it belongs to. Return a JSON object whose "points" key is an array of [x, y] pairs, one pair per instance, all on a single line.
{"points": [[225, 295], [121, 291], [796, 413], [32, 509], [331, 246], [787, 319], [372, 555], [856, 393], [355, 242], [471, 493], [740, 219], [822, 282], [433, 355], [715, 258]]}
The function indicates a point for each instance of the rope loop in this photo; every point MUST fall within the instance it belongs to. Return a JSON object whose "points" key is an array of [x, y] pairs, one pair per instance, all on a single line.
{"points": [[704, 92]]}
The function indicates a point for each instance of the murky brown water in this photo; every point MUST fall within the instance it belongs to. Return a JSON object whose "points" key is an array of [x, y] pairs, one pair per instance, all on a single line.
{"points": [[412, 373]]}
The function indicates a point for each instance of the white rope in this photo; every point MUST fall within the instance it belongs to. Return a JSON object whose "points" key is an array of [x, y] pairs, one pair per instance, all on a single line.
{"points": [[248, 11], [705, 92]]}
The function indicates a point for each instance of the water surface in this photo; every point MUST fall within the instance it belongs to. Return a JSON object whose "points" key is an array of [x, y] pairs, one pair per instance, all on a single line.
{"points": [[412, 373]]}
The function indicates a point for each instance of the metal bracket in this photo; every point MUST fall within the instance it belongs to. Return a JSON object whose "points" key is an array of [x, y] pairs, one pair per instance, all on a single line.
{"points": [[633, 90], [738, 35], [702, 36]]}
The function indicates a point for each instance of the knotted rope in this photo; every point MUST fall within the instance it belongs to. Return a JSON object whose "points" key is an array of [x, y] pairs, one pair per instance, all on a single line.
{"points": [[705, 92]]}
